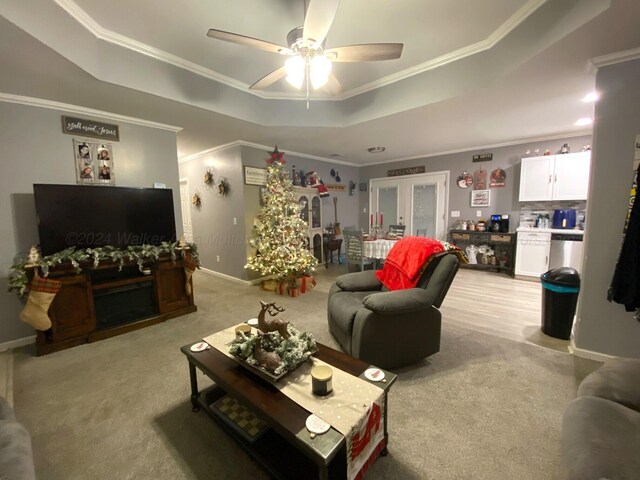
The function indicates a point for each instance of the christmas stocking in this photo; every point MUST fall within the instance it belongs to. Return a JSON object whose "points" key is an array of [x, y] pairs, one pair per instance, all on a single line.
{"points": [[190, 266], [42, 291]]}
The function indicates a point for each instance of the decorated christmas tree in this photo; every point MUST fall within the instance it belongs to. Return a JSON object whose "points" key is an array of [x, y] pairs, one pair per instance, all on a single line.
{"points": [[280, 234]]}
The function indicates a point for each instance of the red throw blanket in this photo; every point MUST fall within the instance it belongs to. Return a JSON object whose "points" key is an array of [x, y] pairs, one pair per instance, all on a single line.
{"points": [[404, 263]]}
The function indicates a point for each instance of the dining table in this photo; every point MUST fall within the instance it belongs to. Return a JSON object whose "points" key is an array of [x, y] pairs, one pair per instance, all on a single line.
{"points": [[378, 248]]}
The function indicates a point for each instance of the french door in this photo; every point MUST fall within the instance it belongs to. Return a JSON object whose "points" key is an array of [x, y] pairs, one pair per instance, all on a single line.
{"points": [[417, 201]]}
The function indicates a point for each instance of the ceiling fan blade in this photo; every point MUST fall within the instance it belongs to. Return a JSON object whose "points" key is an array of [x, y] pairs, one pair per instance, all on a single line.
{"points": [[318, 19], [269, 79], [249, 41], [333, 87], [369, 52]]}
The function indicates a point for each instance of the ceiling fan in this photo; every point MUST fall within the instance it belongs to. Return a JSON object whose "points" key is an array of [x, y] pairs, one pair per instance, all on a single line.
{"points": [[308, 60]]}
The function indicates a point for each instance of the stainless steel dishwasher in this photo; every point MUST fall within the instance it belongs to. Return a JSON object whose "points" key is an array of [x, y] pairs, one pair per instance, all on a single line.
{"points": [[566, 251]]}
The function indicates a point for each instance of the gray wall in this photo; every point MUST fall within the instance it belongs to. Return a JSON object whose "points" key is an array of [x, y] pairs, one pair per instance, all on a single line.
{"points": [[602, 326], [213, 223], [34, 150], [504, 200]]}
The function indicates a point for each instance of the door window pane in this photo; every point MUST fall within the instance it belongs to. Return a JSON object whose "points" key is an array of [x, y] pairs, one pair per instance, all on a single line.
{"points": [[388, 204], [423, 215]]}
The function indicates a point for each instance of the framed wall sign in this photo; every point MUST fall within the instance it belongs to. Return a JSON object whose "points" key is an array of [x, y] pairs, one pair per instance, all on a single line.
{"points": [[255, 176], [480, 198], [90, 128]]}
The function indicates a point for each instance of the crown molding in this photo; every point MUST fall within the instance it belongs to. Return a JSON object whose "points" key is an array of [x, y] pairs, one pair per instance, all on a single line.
{"points": [[522, 141], [242, 143], [82, 17], [617, 57], [67, 107]]}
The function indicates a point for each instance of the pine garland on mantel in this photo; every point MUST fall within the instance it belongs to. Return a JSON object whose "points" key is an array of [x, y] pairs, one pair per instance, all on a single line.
{"points": [[19, 280]]}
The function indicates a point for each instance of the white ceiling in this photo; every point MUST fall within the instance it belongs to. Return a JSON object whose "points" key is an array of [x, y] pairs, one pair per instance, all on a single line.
{"points": [[472, 73]]}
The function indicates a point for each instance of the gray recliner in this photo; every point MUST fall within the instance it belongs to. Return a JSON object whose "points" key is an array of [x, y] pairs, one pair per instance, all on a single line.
{"points": [[390, 329]]}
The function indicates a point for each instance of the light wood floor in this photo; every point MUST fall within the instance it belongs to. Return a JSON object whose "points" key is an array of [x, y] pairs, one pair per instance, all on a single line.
{"points": [[497, 304], [488, 302]]}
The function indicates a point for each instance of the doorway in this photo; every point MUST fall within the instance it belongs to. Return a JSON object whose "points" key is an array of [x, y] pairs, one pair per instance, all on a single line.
{"points": [[185, 206], [417, 201]]}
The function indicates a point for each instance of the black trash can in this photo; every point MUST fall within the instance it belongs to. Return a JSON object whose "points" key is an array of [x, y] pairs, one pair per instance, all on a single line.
{"points": [[560, 288]]}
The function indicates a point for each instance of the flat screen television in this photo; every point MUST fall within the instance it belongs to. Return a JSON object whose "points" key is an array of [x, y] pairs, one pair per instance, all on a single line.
{"points": [[87, 216]]}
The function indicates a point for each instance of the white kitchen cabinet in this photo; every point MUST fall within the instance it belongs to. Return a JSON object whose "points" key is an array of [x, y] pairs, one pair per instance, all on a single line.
{"points": [[571, 176], [532, 253], [555, 177]]}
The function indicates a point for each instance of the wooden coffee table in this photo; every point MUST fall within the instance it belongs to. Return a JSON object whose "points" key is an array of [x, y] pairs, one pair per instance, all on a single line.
{"points": [[286, 450]]}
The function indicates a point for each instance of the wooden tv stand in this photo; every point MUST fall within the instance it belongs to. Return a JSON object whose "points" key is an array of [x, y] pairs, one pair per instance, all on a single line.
{"points": [[137, 299]]}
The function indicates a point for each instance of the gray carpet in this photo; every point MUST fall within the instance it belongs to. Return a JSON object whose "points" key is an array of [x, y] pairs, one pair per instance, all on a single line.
{"points": [[482, 408]]}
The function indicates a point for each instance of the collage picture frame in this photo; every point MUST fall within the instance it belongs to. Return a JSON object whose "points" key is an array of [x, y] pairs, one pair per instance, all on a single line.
{"points": [[94, 162]]}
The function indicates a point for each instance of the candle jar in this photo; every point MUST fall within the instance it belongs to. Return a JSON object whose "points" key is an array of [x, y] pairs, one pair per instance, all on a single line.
{"points": [[321, 380]]}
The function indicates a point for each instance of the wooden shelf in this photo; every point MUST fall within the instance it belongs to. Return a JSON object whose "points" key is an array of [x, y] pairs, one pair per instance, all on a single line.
{"points": [[501, 243]]}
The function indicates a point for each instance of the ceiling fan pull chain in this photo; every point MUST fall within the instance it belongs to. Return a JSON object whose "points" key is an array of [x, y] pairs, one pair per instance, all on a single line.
{"points": [[306, 67]]}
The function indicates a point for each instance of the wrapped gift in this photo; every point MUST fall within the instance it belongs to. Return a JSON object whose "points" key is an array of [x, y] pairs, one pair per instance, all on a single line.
{"points": [[294, 292], [282, 288], [270, 285], [306, 283]]}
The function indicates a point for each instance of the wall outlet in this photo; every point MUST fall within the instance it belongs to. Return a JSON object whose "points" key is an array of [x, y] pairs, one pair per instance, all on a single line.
{"points": [[364, 210], [478, 213], [217, 258], [455, 213], [235, 221]]}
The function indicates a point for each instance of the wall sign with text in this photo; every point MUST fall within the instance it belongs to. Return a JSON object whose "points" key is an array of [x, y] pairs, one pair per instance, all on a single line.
{"points": [[90, 128], [405, 171], [483, 157], [255, 176]]}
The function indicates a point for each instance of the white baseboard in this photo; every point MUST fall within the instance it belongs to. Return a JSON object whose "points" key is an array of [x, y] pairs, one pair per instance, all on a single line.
{"points": [[234, 279], [18, 342], [582, 353]]}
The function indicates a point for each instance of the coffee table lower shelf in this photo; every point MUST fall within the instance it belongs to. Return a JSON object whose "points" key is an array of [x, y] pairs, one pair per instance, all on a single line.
{"points": [[271, 450]]}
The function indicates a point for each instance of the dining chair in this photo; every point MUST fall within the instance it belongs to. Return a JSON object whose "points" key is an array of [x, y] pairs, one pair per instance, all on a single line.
{"points": [[354, 249], [397, 230], [421, 232]]}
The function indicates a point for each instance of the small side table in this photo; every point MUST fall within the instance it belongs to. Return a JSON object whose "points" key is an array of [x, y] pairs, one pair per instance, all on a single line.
{"points": [[330, 246]]}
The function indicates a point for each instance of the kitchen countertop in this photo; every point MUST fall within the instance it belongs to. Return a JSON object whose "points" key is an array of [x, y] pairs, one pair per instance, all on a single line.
{"points": [[572, 231]]}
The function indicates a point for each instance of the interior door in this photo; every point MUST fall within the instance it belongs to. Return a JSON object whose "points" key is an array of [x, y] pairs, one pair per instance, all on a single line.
{"points": [[417, 201], [185, 206]]}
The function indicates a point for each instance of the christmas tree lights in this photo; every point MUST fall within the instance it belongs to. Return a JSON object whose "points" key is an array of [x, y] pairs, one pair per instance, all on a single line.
{"points": [[280, 234]]}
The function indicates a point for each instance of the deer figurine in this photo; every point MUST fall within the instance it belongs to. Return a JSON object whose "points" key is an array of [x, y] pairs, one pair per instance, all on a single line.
{"points": [[275, 325], [268, 360]]}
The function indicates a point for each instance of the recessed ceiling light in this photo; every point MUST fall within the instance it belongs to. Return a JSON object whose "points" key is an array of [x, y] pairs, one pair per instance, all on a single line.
{"points": [[376, 149], [591, 97], [583, 121]]}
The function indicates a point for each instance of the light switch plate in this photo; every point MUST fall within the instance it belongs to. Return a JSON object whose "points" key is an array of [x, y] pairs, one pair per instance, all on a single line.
{"points": [[455, 213], [478, 213]]}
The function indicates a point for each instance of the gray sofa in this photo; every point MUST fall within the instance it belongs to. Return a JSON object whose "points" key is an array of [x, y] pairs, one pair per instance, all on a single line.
{"points": [[601, 427], [16, 459], [390, 329]]}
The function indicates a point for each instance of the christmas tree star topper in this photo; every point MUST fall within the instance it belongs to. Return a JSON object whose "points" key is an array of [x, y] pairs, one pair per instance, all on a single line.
{"points": [[276, 156]]}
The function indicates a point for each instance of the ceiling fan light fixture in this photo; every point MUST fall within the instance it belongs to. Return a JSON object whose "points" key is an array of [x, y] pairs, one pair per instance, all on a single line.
{"points": [[320, 69], [295, 66]]}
